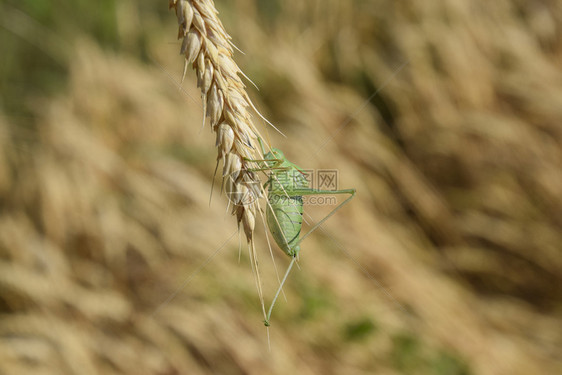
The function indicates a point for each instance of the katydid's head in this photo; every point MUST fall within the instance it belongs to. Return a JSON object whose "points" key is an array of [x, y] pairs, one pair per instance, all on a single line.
{"points": [[273, 156]]}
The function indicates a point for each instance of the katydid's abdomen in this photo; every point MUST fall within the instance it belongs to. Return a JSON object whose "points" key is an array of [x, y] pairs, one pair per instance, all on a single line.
{"points": [[284, 219], [284, 211]]}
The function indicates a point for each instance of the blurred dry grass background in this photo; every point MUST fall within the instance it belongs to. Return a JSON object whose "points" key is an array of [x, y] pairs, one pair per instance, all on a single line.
{"points": [[105, 179]]}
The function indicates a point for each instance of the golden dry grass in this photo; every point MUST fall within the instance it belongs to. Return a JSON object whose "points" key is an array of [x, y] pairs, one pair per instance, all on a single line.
{"points": [[457, 162]]}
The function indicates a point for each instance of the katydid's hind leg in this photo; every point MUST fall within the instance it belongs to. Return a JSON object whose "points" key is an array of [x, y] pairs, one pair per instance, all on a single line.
{"points": [[255, 270], [325, 192], [301, 192], [294, 257], [266, 321], [269, 246]]}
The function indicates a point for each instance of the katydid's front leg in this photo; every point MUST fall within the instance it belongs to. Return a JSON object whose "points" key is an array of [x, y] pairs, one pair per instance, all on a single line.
{"points": [[276, 164]]}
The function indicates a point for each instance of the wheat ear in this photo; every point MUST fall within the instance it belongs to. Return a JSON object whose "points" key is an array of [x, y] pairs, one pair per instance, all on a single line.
{"points": [[207, 47]]}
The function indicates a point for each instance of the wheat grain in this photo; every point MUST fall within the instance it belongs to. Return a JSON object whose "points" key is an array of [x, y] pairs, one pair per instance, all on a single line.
{"points": [[207, 47]]}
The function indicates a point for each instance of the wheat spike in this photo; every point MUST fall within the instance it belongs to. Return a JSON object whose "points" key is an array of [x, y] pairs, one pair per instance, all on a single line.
{"points": [[207, 48]]}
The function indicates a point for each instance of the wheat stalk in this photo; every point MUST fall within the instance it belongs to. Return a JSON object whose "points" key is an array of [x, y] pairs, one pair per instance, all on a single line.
{"points": [[207, 47]]}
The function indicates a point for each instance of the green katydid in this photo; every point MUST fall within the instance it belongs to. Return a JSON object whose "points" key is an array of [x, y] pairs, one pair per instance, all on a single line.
{"points": [[286, 188]]}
